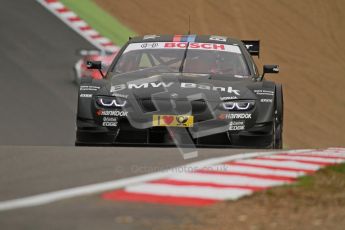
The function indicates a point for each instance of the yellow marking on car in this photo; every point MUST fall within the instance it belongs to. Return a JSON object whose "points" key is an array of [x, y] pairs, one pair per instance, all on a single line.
{"points": [[173, 120]]}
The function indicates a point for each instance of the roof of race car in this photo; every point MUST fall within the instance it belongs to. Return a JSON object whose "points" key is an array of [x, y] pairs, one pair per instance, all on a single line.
{"points": [[185, 38]]}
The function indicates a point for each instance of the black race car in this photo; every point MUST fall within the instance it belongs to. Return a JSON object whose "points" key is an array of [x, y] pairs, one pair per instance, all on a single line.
{"points": [[201, 90]]}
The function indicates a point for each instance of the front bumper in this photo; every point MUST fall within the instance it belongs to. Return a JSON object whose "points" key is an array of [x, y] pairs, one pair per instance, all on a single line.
{"points": [[258, 136]]}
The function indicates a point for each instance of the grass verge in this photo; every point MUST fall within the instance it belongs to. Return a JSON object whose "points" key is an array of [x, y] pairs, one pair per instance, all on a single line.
{"points": [[103, 22], [310, 181]]}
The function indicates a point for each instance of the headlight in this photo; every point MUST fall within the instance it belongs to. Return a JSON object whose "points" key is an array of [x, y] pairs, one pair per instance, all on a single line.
{"points": [[238, 105], [111, 102]]}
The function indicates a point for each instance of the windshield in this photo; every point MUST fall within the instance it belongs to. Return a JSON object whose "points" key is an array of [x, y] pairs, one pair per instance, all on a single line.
{"points": [[203, 58]]}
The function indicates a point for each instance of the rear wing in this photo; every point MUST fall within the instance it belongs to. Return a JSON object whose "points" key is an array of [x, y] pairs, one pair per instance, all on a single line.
{"points": [[253, 47]]}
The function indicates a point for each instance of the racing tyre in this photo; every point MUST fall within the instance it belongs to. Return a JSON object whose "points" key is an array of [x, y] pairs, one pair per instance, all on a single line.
{"points": [[278, 119]]}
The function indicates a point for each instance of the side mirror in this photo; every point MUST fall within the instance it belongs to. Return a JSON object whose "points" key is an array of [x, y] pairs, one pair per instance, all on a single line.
{"points": [[94, 65], [270, 69]]}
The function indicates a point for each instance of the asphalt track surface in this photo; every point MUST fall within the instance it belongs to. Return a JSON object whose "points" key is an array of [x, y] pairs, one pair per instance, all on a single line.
{"points": [[38, 100], [37, 95], [26, 171]]}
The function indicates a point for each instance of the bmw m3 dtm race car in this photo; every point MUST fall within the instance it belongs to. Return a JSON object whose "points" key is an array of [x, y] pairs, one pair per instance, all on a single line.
{"points": [[163, 88]]}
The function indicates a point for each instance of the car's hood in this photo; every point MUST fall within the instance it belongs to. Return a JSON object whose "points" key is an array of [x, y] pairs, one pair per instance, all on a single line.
{"points": [[143, 85]]}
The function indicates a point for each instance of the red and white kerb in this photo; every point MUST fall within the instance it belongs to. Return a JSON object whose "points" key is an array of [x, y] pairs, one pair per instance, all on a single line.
{"points": [[79, 25], [229, 180]]}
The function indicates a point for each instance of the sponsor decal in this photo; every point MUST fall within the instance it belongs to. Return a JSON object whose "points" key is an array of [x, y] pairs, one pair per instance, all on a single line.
{"points": [[182, 119], [109, 118], [173, 120], [183, 45], [218, 38], [110, 121], [214, 88], [117, 113], [204, 46], [89, 87], [228, 98], [224, 116], [150, 45], [188, 85], [238, 116], [236, 125], [86, 95], [266, 100], [109, 124], [263, 92]]}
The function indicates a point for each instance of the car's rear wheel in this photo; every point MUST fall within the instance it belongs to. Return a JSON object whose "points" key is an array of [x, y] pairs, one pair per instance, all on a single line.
{"points": [[277, 142], [277, 133]]}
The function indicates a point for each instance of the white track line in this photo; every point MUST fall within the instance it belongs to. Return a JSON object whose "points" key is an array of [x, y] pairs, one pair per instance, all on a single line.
{"points": [[50, 197]]}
